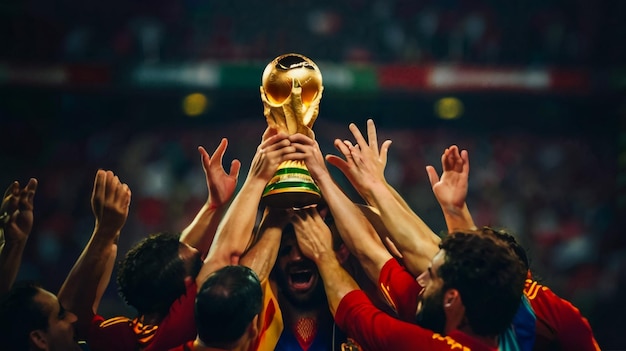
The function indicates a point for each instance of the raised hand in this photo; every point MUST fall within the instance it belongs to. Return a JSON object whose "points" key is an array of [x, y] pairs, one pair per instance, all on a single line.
{"points": [[17, 222], [364, 162], [18, 206], [451, 189], [221, 185], [315, 241], [273, 150], [110, 201], [235, 229], [85, 284], [313, 235], [310, 154]]}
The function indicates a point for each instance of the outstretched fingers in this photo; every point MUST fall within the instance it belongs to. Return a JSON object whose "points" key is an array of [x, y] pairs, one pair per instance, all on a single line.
{"points": [[372, 136], [12, 189], [30, 190], [11, 198], [433, 177]]}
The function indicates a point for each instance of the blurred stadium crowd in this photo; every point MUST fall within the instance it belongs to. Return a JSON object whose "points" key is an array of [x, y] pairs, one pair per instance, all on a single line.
{"points": [[531, 32]]}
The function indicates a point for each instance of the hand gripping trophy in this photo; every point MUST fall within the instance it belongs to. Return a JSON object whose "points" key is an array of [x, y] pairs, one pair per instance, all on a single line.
{"points": [[291, 93]]}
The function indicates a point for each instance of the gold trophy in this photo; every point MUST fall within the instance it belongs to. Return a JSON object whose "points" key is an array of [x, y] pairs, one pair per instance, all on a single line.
{"points": [[291, 92]]}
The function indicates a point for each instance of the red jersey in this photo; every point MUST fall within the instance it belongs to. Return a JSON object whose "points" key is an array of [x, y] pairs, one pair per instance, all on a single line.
{"points": [[560, 326], [375, 330], [400, 289], [188, 346], [125, 334]]}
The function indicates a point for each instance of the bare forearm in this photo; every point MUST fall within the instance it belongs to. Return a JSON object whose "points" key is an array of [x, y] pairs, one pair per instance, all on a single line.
{"points": [[415, 240], [83, 280], [234, 232], [105, 278], [458, 218], [10, 261], [262, 255], [201, 231], [80, 291], [355, 230], [337, 282]]}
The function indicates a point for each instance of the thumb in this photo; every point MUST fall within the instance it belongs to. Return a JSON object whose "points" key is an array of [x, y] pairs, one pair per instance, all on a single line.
{"points": [[235, 166], [432, 175], [338, 162]]}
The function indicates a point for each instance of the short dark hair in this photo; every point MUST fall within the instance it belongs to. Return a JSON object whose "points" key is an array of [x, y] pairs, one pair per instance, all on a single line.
{"points": [[226, 304], [151, 275], [19, 315], [487, 274]]}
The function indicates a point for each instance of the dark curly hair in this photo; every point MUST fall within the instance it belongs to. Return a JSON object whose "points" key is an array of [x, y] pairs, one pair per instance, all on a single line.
{"points": [[488, 275], [226, 305], [151, 276], [510, 239]]}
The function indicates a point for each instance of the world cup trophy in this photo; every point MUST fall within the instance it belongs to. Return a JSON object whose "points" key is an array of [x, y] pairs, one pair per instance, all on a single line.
{"points": [[291, 92]]}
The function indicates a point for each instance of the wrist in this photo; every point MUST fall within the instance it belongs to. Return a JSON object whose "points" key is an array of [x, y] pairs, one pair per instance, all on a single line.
{"points": [[106, 234], [212, 206], [7, 243], [254, 185], [327, 263], [452, 210], [326, 259], [323, 179]]}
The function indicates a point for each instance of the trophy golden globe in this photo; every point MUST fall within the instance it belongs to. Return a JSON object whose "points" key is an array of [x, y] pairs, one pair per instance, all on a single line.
{"points": [[291, 92]]}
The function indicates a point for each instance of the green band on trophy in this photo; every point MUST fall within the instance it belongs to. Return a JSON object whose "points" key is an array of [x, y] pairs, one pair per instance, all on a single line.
{"points": [[289, 186], [292, 170]]}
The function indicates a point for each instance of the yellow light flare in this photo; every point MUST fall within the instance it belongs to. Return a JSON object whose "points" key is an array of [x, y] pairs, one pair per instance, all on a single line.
{"points": [[195, 104]]}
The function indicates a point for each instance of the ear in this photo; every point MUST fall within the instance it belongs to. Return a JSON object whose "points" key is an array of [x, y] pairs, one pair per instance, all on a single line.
{"points": [[342, 253], [38, 338], [253, 329], [454, 309], [451, 298]]}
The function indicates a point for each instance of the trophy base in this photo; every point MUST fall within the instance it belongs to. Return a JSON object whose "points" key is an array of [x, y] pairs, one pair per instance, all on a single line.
{"points": [[291, 199], [291, 186]]}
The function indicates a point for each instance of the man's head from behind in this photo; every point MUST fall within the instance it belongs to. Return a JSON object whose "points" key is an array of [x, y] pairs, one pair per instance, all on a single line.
{"points": [[152, 275], [475, 280], [31, 318], [510, 239], [227, 306]]}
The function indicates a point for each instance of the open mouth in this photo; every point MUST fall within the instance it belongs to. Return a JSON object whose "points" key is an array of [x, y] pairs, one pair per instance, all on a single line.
{"points": [[301, 280]]}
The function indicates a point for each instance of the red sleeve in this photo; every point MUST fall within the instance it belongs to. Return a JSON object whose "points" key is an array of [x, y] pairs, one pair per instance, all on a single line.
{"points": [[112, 334], [400, 289], [123, 334], [179, 326], [373, 329], [188, 346], [558, 321]]}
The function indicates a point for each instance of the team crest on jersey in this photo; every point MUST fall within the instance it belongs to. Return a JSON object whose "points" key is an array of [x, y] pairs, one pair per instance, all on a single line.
{"points": [[350, 345]]}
